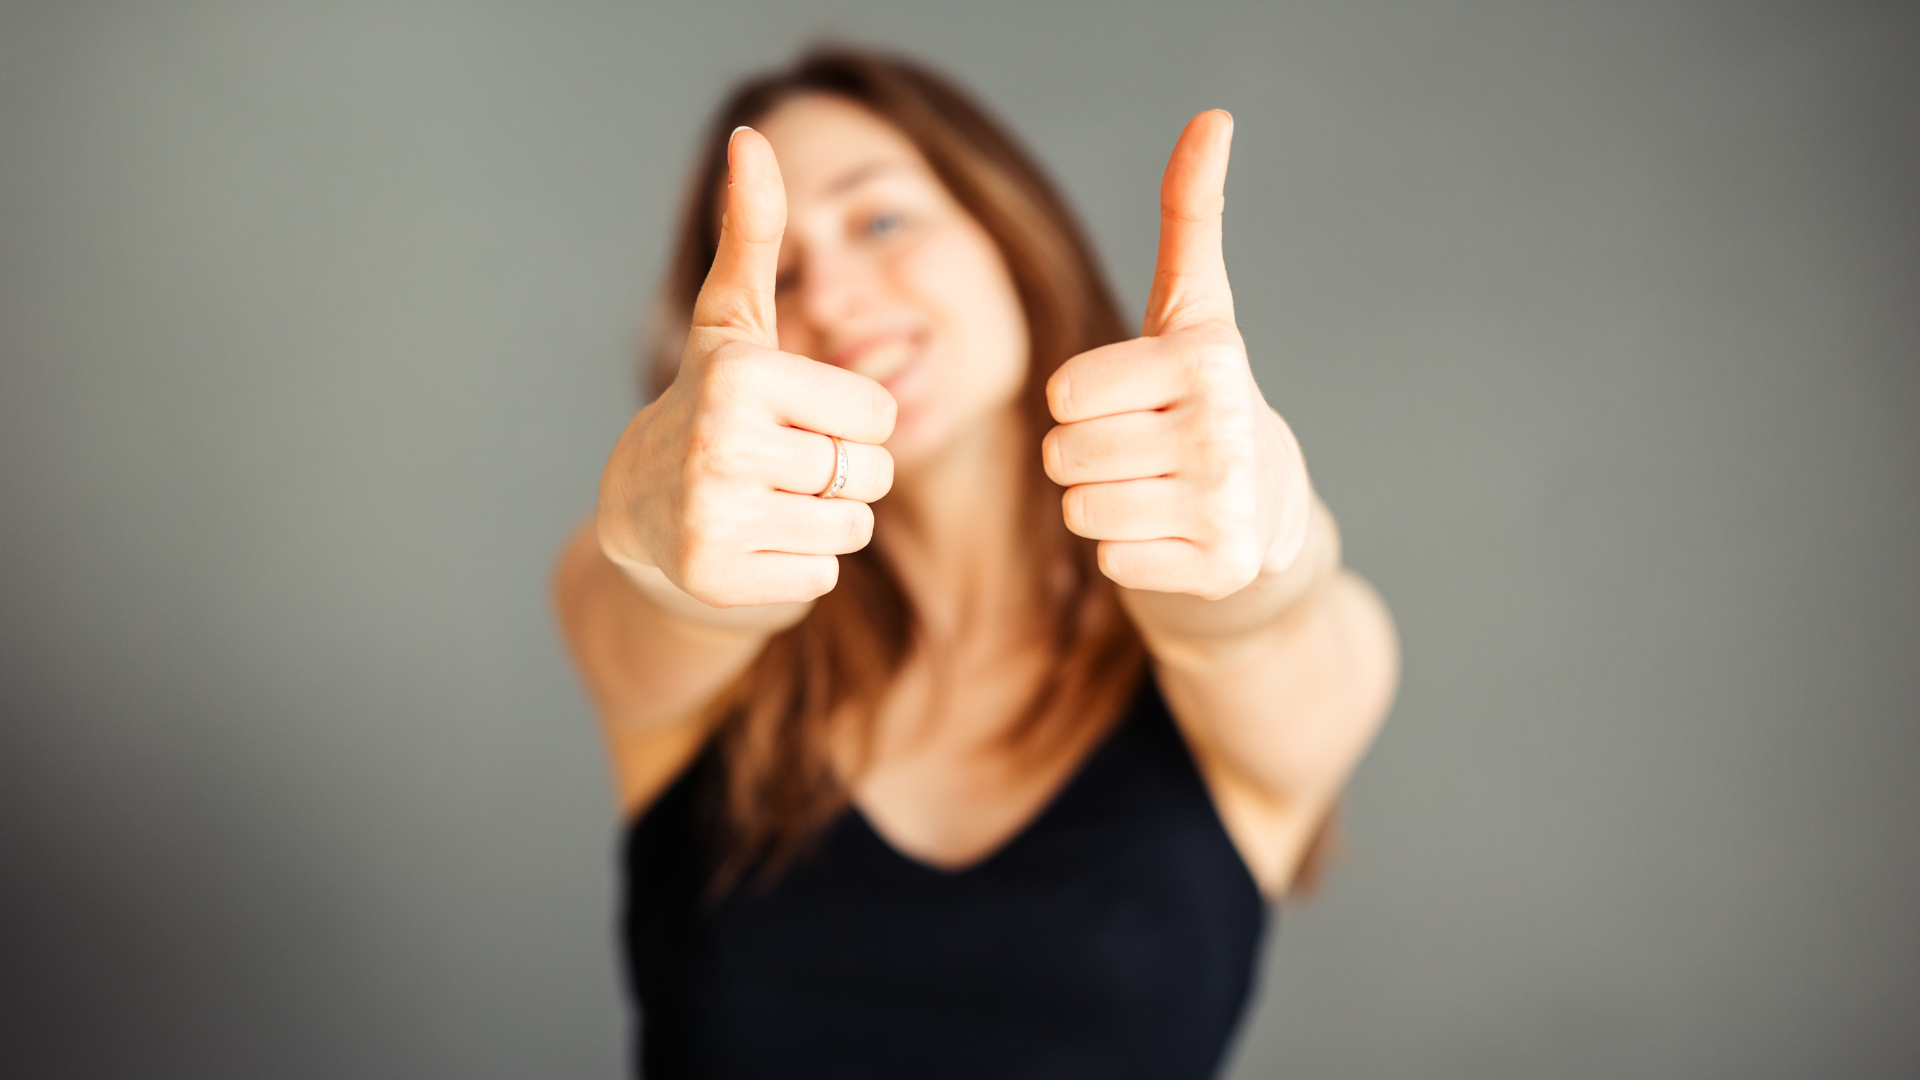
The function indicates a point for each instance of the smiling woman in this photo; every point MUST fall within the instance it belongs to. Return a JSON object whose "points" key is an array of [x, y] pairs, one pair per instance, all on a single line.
{"points": [[867, 215], [989, 776]]}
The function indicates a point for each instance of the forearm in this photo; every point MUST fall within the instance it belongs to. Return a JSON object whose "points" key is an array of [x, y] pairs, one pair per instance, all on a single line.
{"points": [[1287, 680]]}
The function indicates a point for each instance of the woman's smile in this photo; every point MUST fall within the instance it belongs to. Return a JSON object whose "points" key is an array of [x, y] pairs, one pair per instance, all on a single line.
{"points": [[883, 357]]}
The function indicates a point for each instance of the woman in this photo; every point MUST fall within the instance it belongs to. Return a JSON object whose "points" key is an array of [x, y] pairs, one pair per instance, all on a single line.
{"points": [[990, 777]]}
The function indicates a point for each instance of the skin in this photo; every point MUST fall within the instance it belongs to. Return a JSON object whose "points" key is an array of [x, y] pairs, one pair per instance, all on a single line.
{"points": [[852, 296]]}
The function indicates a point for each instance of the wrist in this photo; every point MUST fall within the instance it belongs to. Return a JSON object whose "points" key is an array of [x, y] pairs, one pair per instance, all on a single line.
{"points": [[1189, 631], [674, 602]]}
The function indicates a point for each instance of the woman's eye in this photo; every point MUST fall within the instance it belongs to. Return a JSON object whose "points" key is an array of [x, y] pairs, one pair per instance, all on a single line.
{"points": [[883, 225]]}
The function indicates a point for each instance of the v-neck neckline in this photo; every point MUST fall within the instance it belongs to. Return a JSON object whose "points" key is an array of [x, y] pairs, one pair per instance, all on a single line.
{"points": [[1076, 778]]}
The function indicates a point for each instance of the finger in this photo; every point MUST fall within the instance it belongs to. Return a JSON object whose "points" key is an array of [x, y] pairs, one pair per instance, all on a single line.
{"points": [[766, 577], [1165, 565], [1190, 274], [1126, 376], [1128, 446], [804, 463], [738, 293], [819, 397], [805, 525], [1151, 509]]}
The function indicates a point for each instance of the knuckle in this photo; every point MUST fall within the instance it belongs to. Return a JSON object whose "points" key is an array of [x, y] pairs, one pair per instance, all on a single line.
{"points": [[1215, 366], [732, 372], [1234, 568], [1209, 475], [1075, 511], [709, 529], [697, 543], [732, 307], [697, 352], [706, 446], [1060, 392], [1220, 378], [713, 452], [1053, 455], [882, 412], [825, 577], [1223, 445], [859, 526], [700, 580]]}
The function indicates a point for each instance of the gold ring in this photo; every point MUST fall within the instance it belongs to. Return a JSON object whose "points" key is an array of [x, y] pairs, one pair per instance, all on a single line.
{"points": [[839, 469]]}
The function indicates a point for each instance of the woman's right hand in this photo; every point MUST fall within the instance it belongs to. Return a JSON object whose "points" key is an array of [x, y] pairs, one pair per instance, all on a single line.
{"points": [[716, 482]]}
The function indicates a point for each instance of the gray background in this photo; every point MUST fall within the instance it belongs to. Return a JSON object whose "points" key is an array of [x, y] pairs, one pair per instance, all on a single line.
{"points": [[1598, 322]]}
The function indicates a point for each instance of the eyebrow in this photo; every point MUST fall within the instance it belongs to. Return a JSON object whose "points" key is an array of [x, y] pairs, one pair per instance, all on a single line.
{"points": [[860, 174]]}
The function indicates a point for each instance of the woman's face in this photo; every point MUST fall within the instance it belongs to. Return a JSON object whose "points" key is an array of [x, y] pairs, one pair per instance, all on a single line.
{"points": [[883, 273]]}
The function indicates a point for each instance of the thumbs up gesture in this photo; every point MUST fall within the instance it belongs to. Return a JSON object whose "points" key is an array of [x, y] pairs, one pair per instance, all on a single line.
{"points": [[1171, 457], [718, 482]]}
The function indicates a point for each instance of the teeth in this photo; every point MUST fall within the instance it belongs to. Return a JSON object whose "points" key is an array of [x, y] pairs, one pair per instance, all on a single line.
{"points": [[884, 361]]}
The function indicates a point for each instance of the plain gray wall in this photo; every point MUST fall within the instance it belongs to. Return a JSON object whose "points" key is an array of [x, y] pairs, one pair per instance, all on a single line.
{"points": [[1598, 323]]}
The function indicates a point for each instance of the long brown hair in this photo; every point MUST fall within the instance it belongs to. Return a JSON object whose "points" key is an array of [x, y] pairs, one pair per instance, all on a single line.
{"points": [[776, 721]]}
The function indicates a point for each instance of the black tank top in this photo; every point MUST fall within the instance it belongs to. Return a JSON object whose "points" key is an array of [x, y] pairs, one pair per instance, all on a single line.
{"points": [[1113, 937]]}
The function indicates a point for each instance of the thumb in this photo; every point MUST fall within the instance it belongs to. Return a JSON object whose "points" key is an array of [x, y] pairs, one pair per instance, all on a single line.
{"points": [[738, 292], [1190, 275]]}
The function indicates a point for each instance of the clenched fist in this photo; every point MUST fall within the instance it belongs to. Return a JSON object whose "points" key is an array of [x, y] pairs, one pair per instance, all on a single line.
{"points": [[1170, 456], [717, 483]]}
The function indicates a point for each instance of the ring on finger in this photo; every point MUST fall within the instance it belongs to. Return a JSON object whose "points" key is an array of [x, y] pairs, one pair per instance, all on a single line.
{"points": [[839, 480]]}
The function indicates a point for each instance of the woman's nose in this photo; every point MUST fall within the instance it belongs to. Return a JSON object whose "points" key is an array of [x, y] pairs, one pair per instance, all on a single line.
{"points": [[835, 288]]}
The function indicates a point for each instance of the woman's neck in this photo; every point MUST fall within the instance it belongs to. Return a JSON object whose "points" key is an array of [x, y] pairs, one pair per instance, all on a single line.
{"points": [[950, 529]]}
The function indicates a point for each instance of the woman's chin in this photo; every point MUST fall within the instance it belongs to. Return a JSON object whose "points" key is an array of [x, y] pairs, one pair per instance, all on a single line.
{"points": [[925, 436], [934, 415], [913, 443]]}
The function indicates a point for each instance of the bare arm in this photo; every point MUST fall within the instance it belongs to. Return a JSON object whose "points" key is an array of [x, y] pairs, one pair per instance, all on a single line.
{"points": [[651, 654], [1279, 687], [651, 657]]}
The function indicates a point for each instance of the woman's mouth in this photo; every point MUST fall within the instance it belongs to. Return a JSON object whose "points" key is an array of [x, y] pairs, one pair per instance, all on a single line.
{"points": [[882, 357]]}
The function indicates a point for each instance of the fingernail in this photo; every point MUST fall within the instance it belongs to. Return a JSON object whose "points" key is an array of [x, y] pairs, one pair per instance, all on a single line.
{"points": [[731, 135]]}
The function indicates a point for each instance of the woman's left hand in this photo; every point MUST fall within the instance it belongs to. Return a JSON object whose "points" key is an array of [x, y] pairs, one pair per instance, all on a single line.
{"points": [[1171, 457]]}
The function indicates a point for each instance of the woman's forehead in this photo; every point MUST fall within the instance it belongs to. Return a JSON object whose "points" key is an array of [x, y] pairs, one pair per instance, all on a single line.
{"points": [[828, 145]]}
